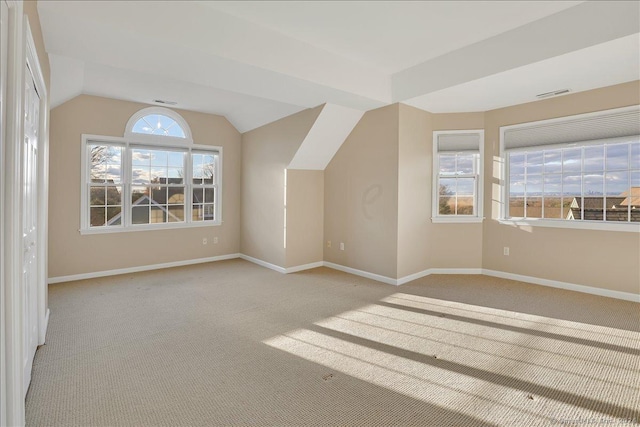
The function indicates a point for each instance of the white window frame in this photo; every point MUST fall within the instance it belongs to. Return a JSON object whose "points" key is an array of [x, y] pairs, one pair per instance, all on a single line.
{"points": [[548, 222], [134, 140], [479, 191]]}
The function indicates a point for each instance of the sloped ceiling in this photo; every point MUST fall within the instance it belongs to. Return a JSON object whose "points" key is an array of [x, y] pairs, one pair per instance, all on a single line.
{"points": [[255, 62]]}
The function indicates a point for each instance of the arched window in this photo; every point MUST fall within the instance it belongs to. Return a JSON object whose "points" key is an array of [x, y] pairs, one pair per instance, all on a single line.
{"points": [[154, 177], [157, 122]]}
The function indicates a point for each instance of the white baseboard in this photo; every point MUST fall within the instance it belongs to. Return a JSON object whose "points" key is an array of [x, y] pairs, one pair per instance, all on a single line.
{"points": [[373, 276], [420, 274], [106, 273], [279, 269], [264, 263], [627, 296], [564, 285], [304, 267]]}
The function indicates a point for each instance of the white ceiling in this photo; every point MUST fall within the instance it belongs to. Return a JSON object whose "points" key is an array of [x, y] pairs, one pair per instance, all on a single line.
{"points": [[255, 62]]}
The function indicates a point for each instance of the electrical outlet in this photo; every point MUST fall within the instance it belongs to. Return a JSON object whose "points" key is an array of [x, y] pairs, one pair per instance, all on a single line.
{"points": [[341, 246], [204, 241], [328, 243], [506, 251], [215, 240]]}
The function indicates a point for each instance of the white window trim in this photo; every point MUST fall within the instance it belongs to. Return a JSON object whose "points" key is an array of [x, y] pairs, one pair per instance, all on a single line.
{"points": [[155, 142], [553, 223], [457, 219], [129, 134]]}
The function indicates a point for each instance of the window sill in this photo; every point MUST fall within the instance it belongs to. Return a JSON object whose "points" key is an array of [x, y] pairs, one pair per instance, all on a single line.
{"points": [[578, 225], [160, 227], [457, 220]]}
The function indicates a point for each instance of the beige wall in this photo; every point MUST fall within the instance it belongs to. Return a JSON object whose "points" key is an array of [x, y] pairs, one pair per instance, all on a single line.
{"points": [[361, 196], [422, 244], [266, 153], [603, 259], [414, 190], [305, 217], [70, 253]]}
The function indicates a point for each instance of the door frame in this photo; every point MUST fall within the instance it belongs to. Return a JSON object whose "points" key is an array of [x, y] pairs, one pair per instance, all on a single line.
{"points": [[21, 50], [43, 180]]}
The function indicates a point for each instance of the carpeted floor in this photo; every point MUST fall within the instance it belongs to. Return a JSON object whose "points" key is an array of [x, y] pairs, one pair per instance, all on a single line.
{"points": [[232, 343]]}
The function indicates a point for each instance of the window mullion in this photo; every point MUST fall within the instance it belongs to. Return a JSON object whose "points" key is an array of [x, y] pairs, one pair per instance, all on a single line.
{"points": [[127, 174], [188, 183]]}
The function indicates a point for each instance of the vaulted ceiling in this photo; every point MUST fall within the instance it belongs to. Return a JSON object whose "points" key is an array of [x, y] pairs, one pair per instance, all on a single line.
{"points": [[255, 62]]}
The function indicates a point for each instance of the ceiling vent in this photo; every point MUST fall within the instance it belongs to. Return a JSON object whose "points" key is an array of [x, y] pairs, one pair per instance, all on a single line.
{"points": [[553, 93], [161, 101]]}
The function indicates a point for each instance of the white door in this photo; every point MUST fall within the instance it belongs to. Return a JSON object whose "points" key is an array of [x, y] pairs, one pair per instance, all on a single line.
{"points": [[29, 224]]}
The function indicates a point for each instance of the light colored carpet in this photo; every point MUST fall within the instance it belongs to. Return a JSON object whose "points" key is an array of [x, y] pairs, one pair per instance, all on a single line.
{"points": [[232, 343]]}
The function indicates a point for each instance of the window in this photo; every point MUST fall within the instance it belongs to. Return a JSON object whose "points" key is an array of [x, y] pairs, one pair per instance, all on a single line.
{"points": [[583, 169], [457, 176], [158, 181]]}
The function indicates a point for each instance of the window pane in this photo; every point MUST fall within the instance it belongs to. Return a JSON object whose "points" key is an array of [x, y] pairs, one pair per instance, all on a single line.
{"points": [[176, 159], [209, 195], [140, 157], [446, 197], [465, 206], [140, 175], [593, 184], [553, 207], [516, 206], [158, 215], [593, 208], [553, 196], [466, 186], [572, 160], [176, 213], [534, 163], [635, 155], [208, 212], [114, 195], [534, 207], [198, 195], [175, 176], [98, 196], [572, 185], [159, 158], [176, 196], [158, 124], [139, 195], [516, 164], [553, 161], [140, 215], [158, 175], [97, 216], [113, 215], [594, 159], [447, 164], [466, 164], [196, 213], [617, 156], [105, 161], [533, 185], [634, 200], [616, 183], [158, 195]]}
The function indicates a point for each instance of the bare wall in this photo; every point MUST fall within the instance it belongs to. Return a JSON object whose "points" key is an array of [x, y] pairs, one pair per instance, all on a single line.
{"points": [[305, 217], [602, 259], [361, 196], [422, 244], [266, 153], [71, 253]]}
